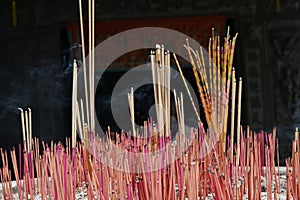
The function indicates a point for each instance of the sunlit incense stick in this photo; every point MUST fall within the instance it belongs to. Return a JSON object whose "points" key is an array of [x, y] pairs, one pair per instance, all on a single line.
{"points": [[167, 92], [154, 78], [200, 83], [187, 89], [79, 121], [84, 64], [232, 114], [74, 101], [131, 108], [238, 130], [160, 82], [90, 61], [27, 130], [30, 127], [93, 68], [23, 128]]}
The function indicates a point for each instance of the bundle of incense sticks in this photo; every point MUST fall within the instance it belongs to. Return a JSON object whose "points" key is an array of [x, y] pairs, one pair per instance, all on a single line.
{"points": [[214, 77], [158, 165], [70, 171], [78, 113], [160, 62], [52, 174]]}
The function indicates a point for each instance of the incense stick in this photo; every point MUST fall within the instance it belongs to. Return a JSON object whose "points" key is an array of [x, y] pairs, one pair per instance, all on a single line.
{"points": [[59, 172], [93, 67], [84, 64], [232, 114], [30, 127], [238, 130], [131, 108], [186, 87], [23, 128], [74, 102]]}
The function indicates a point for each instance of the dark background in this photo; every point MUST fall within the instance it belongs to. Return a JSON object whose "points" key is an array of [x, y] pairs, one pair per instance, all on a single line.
{"points": [[35, 72]]}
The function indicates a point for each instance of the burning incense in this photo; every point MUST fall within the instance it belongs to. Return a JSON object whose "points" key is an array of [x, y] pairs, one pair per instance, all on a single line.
{"points": [[190, 176], [88, 167]]}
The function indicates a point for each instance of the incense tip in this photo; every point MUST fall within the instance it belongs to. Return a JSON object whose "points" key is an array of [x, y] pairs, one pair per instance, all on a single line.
{"points": [[187, 42], [75, 63], [296, 129], [20, 109], [157, 46], [233, 69], [29, 109], [240, 78]]}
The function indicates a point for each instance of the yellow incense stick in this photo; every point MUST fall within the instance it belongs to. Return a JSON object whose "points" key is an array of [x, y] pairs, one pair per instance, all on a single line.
{"points": [[14, 13], [185, 84]]}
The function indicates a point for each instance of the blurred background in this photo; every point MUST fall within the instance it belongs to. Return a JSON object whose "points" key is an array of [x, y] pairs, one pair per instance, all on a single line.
{"points": [[39, 40]]}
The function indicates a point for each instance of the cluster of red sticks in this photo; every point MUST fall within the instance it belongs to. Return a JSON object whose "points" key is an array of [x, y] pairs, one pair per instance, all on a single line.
{"points": [[60, 172], [153, 163]]}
